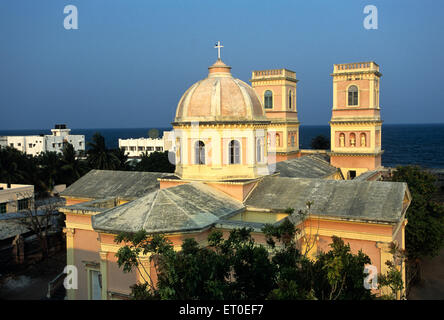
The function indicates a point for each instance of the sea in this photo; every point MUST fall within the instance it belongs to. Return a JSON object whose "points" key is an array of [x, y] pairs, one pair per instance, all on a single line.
{"points": [[403, 144]]}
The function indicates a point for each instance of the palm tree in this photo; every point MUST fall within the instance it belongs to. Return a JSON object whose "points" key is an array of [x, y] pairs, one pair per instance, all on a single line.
{"points": [[99, 157], [122, 157], [71, 168], [50, 164]]}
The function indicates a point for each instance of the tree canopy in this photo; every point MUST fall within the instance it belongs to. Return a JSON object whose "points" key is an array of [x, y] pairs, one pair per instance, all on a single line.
{"points": [[239, 268], [320, 142], [424, 232]]}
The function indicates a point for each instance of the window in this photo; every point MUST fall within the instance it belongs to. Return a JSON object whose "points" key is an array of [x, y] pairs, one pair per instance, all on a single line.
{"points": [[23, 204], [12, 145], [278, 140], [150, 148], [259, 148], [53, 145], [292, 141], [140, 148], [268, 99], [351, 174], [132, 148], [353, 96], [30, 145], [289, 99], [159, 148], [234, 152], [95, 285], [199, 152], [3, 207]]}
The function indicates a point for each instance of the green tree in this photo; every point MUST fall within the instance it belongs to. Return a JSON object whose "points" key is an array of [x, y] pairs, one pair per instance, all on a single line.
{"points": [[50, 165], [122, 159], [294, 271], [338, 274], [424, 233], [155, 162], [320, 142], [235, 268], [238, 268], [10, 160], [71, 167], [99, 157]]}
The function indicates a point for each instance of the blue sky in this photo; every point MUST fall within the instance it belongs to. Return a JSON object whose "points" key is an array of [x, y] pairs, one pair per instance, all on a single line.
{"points": [[131, 60]]}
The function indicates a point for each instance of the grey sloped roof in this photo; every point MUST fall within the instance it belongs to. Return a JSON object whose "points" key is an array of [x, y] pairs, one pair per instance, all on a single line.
{"points": [[366, 175], [364, 200], [129, 185], [311, 166], [11, 228], [187, 207]]}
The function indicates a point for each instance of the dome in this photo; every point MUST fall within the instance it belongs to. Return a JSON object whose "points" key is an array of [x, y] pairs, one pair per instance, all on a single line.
{"points": [[220, 98]]}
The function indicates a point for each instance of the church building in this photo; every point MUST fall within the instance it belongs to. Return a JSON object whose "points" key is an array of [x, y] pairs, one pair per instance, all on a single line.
{"points": [[238, 164]]}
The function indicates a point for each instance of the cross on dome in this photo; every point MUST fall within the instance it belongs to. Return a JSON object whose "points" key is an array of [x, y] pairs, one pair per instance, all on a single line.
{"points": [[218, 46]]}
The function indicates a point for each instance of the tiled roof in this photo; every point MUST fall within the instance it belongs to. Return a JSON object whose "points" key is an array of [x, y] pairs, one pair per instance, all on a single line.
{"points": [[98, 184]]}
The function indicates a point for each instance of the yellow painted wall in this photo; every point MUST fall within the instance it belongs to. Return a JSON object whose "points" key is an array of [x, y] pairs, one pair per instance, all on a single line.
{"points": [[260, 217]]}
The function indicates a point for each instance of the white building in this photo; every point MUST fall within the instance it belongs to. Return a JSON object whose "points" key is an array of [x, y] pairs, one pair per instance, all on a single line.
{"points": [[15, 197], [34, 145], [134, 148]]}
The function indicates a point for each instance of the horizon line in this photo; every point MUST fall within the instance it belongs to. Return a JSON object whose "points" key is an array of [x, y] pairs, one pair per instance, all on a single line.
{"points": [[161, 127]]}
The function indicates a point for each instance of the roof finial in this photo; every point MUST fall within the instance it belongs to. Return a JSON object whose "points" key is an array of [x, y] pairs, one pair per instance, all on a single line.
{"points": [[218, 46]]}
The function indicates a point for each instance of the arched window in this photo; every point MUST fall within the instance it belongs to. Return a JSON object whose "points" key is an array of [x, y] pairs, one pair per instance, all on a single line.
{"points": [[292, 140], [353, 96], [199, 152], [352, 140], [234, 152], [268, 99], [259, 149], [290, 99]]}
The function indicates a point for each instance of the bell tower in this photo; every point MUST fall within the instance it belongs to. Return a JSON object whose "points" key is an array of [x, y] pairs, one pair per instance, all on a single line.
{"points": [[356, 122], [277, 90]]}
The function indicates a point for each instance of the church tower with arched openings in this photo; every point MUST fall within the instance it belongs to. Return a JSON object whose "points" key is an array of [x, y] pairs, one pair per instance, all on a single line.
{"points": [[277, 90], [356, 122]]}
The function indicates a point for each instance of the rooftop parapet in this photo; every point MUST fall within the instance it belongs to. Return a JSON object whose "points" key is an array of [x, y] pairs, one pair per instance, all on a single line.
{"points": [[273, 74], [355, 67]]}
